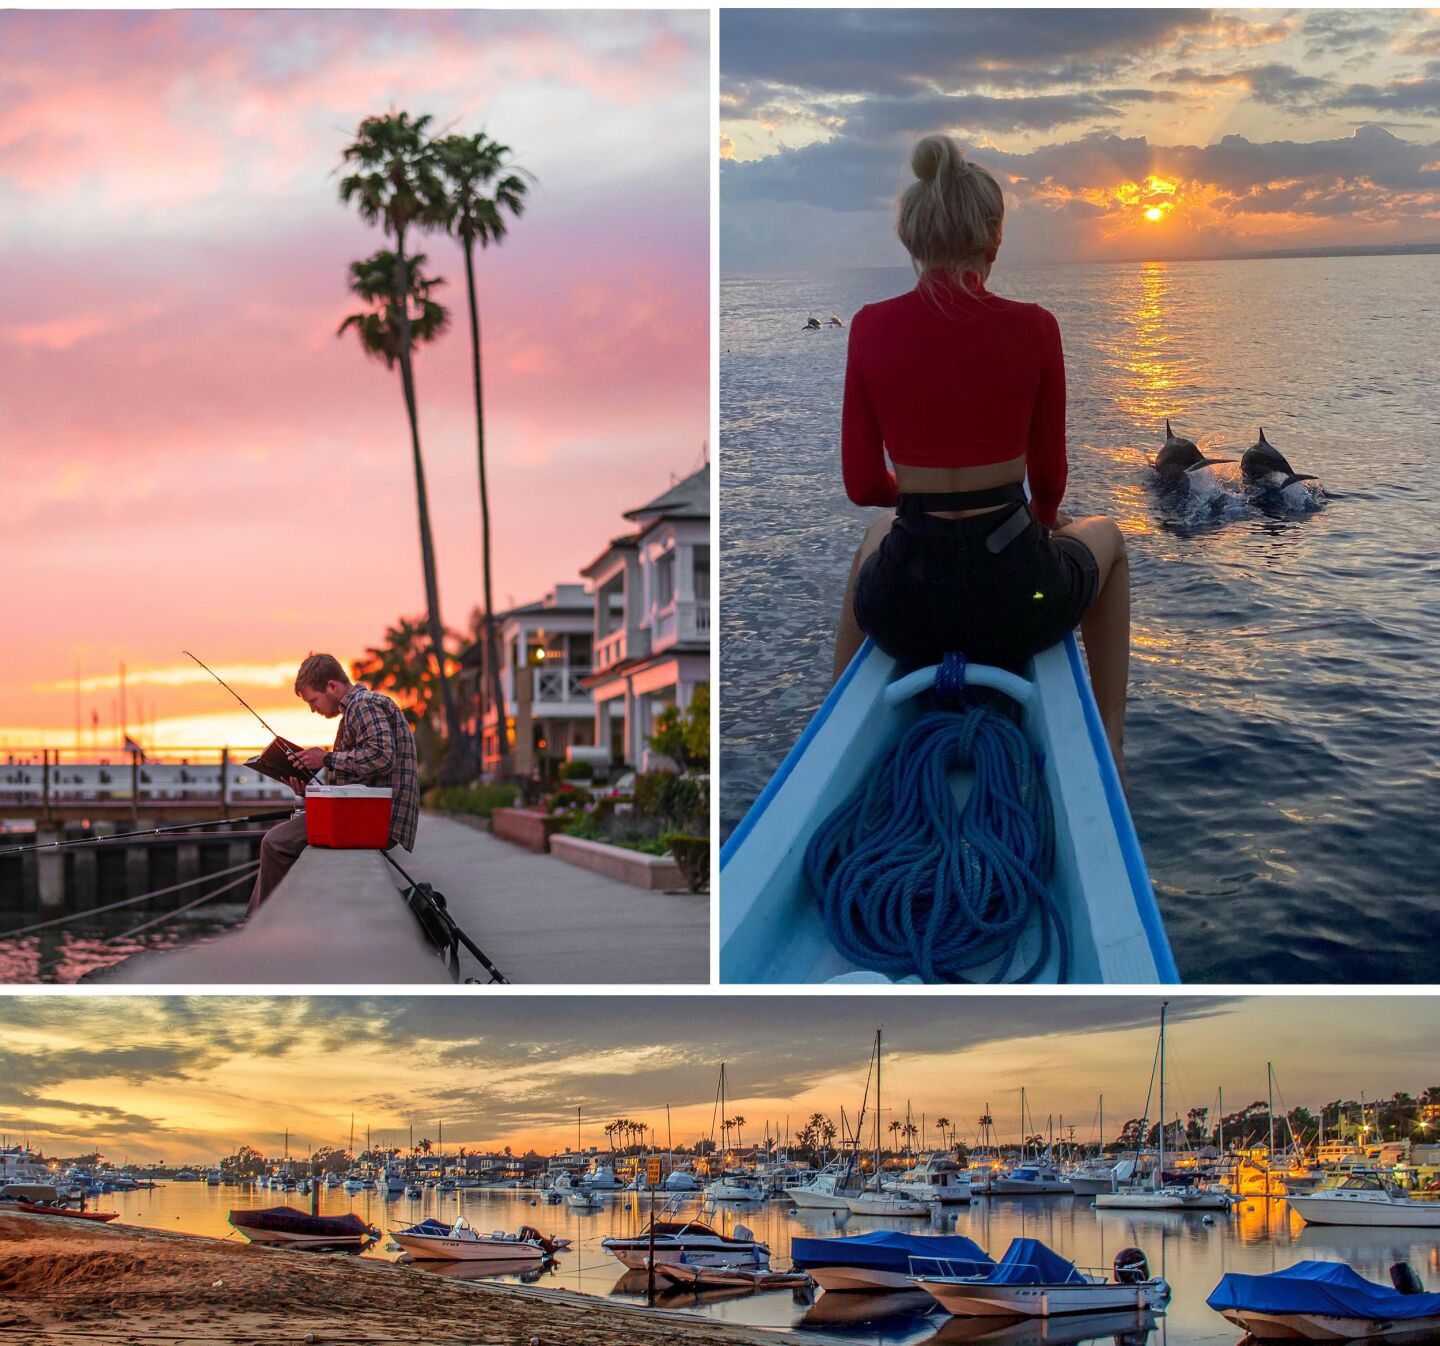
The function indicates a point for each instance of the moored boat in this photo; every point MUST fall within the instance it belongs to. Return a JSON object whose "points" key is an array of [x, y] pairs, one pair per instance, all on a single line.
{"points": [[1326, 1301], [698, 1243], [694, 1276], [884, 1259], [771, 928], [1031, 1281], [434, 1240], [295, 1229], [1367, 1199]]}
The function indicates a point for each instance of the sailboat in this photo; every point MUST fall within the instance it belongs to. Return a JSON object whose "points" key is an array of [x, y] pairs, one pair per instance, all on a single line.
{"points": [[875, 1200], [732, 1186], [1160, 1196]]}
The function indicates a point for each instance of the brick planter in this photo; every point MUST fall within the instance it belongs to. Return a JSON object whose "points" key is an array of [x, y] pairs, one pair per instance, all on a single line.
{"points": [[525, 827], [655, 872]]}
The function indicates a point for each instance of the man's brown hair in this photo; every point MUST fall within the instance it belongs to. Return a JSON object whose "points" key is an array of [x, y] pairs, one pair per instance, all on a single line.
{"points": [[318, 671]]}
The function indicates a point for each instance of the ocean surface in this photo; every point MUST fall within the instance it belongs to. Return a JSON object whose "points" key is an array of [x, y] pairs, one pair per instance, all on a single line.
{"points": [[1285, 668], [1259, 1237]]}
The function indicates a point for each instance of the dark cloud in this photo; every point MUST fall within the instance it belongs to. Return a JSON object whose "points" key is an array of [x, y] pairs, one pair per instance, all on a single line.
{"points": [[896, 51], [884, 117], [1400, 95], [1274, 83], [1330, 31]]}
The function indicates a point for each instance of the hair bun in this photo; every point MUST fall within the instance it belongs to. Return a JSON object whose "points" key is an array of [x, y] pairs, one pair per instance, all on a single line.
{"points": [[934, 154]]}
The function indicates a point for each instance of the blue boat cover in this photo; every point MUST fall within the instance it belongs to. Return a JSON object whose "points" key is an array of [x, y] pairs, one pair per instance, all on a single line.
{"points": [[1030, 1262], [890, 1250], [430, 1226], [1329, 1288]]}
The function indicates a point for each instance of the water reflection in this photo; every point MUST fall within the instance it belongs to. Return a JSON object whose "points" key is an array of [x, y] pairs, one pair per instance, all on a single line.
{"points": [[1124, 1329], [1259, 1237]]}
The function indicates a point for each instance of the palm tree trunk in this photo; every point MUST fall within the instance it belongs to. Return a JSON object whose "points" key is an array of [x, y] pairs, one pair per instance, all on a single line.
{"points": [[492, 644], [454, 763]]}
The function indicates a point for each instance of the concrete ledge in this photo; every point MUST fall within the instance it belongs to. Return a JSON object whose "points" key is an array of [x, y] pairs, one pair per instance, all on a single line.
{"points": [[651, 872], [337, 918], [525, 827]]}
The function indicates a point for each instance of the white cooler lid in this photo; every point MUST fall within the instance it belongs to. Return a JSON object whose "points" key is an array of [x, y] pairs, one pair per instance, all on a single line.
{"points": [[348, 791]]}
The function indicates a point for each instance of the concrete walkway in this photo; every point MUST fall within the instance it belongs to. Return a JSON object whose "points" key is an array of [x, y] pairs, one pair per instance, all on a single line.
{"points": [[543, 922], [338, 919]]}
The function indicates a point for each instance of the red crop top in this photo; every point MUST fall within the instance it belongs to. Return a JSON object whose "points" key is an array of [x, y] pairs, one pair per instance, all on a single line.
{"points": [[943, 379]]}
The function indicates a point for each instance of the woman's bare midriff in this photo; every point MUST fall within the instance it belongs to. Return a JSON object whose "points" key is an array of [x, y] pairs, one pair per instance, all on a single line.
{"points": [[940, 480]]}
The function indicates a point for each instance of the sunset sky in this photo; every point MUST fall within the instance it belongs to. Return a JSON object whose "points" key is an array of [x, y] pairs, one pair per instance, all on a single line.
{"points": [[189, 1079], [1158, 133], [194, 460]]}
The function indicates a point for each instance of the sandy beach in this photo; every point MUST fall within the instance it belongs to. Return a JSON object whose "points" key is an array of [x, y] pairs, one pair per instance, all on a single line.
{"points": [[65, 1281]]}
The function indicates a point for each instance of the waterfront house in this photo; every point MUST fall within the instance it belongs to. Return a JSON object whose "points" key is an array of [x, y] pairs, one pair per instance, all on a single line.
{"points": [[651, 618], [545, 656]]}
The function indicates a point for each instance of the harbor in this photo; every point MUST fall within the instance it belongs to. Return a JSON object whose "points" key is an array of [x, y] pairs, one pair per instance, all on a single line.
{"points": [[1190, 1251], [894, 1187]]}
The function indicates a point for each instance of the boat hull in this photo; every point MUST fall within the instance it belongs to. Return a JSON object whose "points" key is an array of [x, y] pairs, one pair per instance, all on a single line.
{"points": [[979, 1300], [433, 1248], [1365, 1214], [860, 1280], [903, 1207], [1318, 1327], [770, 926]]}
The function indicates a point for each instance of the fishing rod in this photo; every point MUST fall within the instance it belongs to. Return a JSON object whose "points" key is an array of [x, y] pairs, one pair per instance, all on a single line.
{"points": [[440, 928], [150, 832], [290, 750]]}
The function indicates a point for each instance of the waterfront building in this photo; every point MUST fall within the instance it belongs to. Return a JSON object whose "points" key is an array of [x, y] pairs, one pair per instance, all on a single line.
{"points": [[545, 651], [651, 618]]}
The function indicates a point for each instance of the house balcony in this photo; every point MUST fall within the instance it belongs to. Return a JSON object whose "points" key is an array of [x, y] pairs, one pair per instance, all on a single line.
{"points": [[620, 645], [679, 623], [553, 691]]}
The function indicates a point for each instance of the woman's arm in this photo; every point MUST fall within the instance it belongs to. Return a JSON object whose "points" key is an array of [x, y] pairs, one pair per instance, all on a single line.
{"points": [[868, 481], [1045, 459]]}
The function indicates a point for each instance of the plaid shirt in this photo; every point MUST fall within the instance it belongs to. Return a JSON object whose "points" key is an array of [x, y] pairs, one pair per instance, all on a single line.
{"points": [[374, 746]]}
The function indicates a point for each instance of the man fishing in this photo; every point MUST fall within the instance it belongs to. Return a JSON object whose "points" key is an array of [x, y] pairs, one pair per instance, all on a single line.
{"points": [[374, 746]]}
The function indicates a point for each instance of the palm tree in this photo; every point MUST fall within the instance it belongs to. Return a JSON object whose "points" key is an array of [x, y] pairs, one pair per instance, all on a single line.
{"points": [[401, 666], [478, 190], [944, 1124], [396, 183]]}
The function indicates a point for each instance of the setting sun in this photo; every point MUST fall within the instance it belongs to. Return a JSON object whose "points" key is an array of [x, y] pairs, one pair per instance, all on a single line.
{"points": [[1154, 214]]}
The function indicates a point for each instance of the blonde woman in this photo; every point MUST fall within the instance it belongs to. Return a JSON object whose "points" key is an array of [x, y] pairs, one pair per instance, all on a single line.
{"points": [[965, 391]]}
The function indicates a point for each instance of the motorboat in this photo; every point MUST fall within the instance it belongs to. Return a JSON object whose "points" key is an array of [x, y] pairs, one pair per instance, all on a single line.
{"points": [[1367, 1199], [1169, 1197], [580, 1198], [295, 1229], [885, 1259], [1030, 1180], [1328, 1301], [936, 1178], [828, 1189], [434, 1240], [1031, 1281], [1093, 1178], [888, 1204], [736, 1187], [771, 925], [699, 1243], [44, 1198]]}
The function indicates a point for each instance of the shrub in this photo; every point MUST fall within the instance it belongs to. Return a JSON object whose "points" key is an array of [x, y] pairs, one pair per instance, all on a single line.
{"points": [[577, 771], [648, 785], [478, 800], [692, 855], [567, 797]]}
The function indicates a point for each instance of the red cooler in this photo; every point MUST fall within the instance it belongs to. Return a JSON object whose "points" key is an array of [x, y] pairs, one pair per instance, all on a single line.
{"points": [[347, 817]]}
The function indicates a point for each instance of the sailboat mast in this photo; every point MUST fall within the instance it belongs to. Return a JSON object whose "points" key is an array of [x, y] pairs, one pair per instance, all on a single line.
{"points": [[1269, 1117], [1160, 1172]]}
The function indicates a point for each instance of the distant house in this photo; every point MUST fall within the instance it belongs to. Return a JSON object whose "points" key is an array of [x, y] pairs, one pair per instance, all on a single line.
{"points": [[545, 657], [651, 617]]}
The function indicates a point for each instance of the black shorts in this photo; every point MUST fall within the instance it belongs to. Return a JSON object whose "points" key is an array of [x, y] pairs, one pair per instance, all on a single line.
{"points": [[934, 587]]}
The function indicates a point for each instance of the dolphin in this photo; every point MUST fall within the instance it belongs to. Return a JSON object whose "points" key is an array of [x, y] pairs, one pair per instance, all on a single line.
{"points": [[1178, 456], [836, 320], [1262, 459], [812, 325]]}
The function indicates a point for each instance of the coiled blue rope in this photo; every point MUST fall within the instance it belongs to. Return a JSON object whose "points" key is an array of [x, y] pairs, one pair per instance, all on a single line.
{"points": [[912, 884]]}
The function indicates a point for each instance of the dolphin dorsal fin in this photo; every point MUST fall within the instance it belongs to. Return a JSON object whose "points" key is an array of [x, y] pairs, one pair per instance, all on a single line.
{"points": [[1169, 433], [1263, 440]]}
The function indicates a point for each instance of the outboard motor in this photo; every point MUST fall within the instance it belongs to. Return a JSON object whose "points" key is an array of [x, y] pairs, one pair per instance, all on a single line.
{"points": [[1405, 1280], [1132, 1267]]}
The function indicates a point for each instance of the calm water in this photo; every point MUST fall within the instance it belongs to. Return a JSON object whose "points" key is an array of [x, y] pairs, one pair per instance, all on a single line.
{"points": [[67, 953], [1260, 1237], [1285, 676]]}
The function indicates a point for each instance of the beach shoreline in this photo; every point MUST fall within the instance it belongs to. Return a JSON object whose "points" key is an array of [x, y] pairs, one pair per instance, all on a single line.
{"points": [[67, 1281]]}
